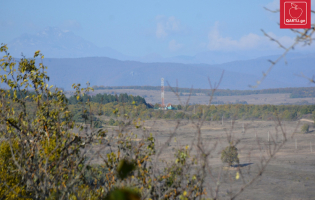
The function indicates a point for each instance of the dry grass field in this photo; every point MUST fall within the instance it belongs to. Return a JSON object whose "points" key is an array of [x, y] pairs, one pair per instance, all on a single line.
{"points": [[154, 96], [290, 175]]}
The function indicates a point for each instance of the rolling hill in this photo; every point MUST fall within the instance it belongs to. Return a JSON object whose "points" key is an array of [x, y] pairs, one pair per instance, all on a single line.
{"points": [[238, 74]]}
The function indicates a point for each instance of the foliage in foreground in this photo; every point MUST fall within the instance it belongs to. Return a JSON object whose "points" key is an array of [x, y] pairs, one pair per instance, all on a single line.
{"points": [[44, 154]]}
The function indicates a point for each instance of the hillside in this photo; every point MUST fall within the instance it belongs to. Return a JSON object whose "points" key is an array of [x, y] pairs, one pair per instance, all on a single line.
{"points": [[238, 74]]}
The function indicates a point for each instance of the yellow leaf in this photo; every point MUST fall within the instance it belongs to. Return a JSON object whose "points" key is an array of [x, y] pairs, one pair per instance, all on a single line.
{"points": [[237, 175], [185, 193]]}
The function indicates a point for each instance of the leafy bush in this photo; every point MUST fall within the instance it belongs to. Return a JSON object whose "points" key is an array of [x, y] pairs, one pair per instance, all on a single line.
{"points": [[229, 155], [305, 128], [40, 152], [9, 172], [43, 157]]}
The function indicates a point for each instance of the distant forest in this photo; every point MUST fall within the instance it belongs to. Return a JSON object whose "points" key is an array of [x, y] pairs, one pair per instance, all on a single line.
{"points": [[301, 92], [136, 106], [108, 98]]}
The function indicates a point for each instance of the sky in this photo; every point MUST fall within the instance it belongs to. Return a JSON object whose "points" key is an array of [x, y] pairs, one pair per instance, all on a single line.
{"points": [[168, 27]]}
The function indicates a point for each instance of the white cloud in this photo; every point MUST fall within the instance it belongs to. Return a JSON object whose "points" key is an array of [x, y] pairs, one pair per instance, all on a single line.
{"points": [[286, 41], [173, 24], [174, 46], [165, 26], [218, 42], [160, 31], [246, 42]]}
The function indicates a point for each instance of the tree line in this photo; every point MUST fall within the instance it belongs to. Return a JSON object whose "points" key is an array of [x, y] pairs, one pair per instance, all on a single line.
{"points": [[108, 98], [191, 112]]}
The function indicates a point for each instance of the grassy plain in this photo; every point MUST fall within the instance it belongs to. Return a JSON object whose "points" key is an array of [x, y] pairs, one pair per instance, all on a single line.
{"points": [[290, 175]]}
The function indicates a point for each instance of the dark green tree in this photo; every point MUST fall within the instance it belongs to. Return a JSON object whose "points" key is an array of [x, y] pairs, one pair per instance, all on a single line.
{"points": [[230, 155]]}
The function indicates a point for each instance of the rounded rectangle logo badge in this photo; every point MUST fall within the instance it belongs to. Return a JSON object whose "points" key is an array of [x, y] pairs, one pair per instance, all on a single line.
{"points": [[295, 14]]}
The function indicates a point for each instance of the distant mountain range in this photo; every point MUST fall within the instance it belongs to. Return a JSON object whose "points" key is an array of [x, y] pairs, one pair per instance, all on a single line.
{"points": [[208, 57], [238, 74], [71, 59], [55, 43]]}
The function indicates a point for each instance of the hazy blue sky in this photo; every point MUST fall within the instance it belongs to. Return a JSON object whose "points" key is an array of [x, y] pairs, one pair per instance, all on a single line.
{"points": [[137, 28]]}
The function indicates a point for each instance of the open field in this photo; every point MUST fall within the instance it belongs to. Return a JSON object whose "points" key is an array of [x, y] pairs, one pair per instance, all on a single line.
{"points": [[290, 175], [154, 96]]}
